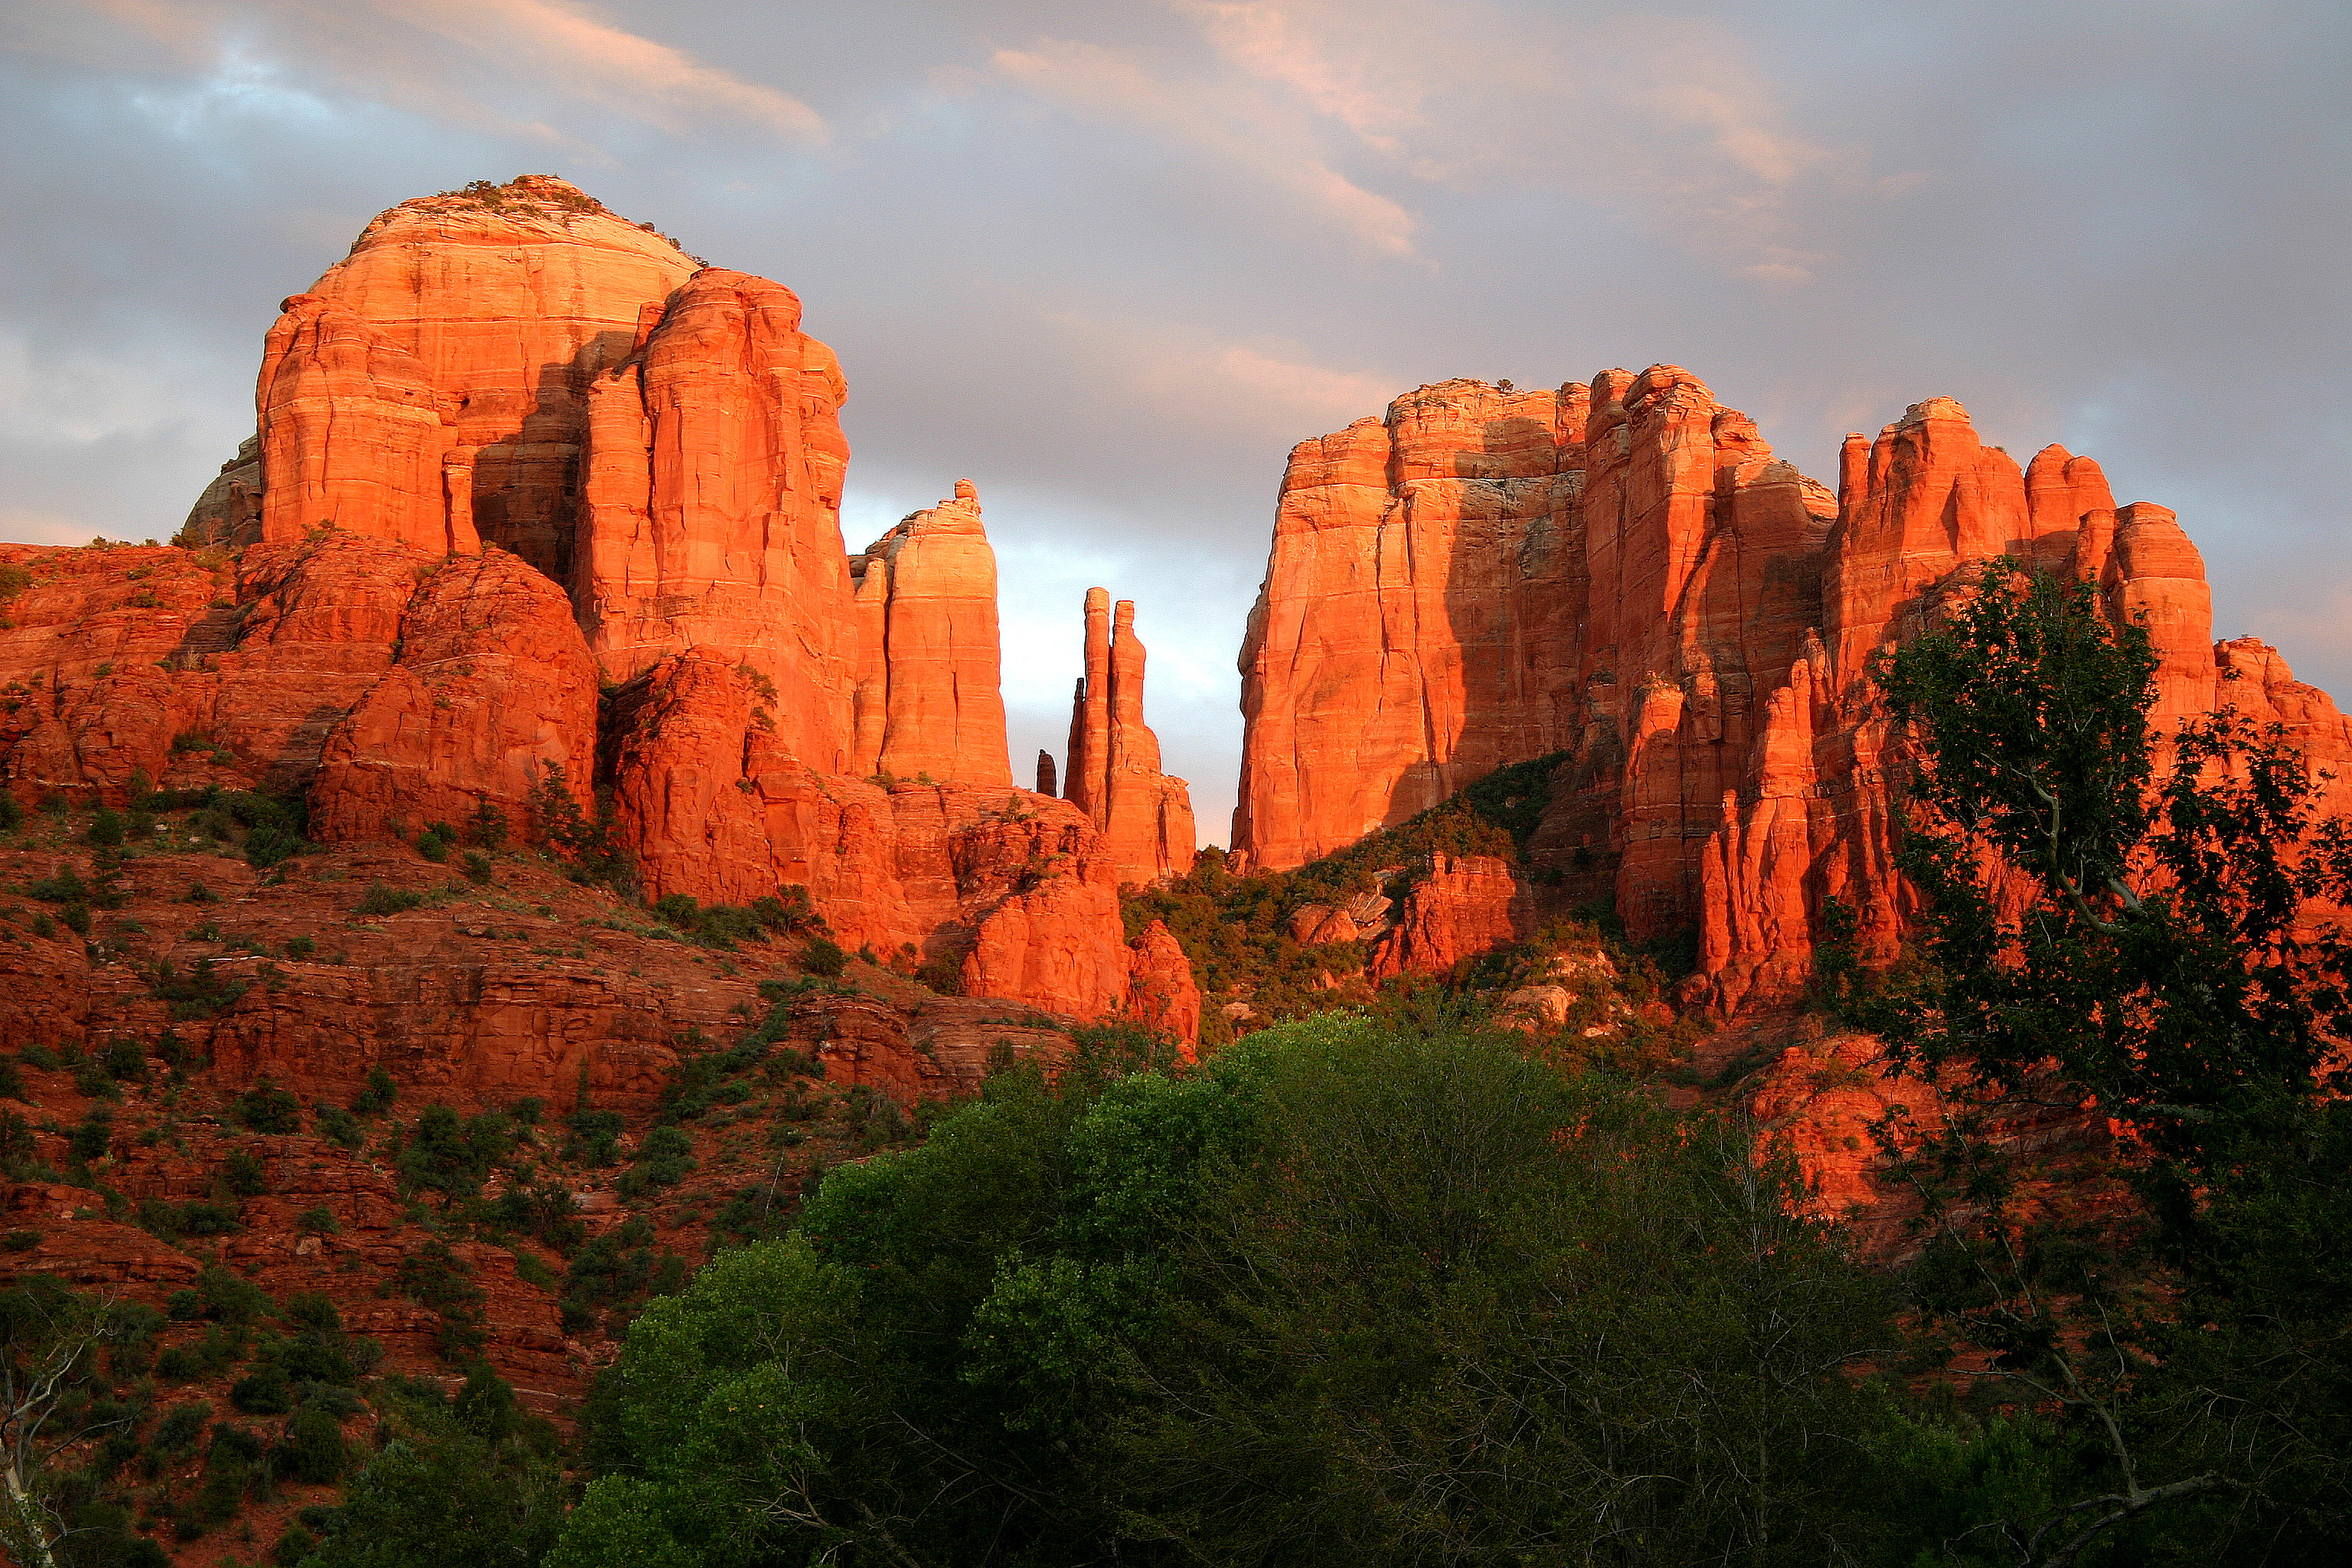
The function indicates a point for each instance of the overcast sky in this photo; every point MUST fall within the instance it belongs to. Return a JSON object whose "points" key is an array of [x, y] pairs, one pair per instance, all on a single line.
{"points": [[1111, 260]]}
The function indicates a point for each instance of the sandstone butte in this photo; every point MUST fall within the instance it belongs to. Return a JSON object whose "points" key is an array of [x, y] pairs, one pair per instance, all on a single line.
{"points": [[513, 448], [1622, 574]]}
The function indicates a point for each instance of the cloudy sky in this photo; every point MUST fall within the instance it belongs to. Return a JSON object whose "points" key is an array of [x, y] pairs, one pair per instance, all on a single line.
{"points": [[1110, 260]]}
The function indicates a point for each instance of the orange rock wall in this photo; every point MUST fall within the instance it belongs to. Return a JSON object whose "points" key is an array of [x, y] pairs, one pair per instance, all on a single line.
{"points": [[1144, 815], [483, 320], [712, 498], [930, 697], [1621, 572], [1486, 576]]}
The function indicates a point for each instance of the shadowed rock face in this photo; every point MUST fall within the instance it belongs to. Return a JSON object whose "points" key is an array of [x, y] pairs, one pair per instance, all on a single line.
{"points": [[1621, 570]]}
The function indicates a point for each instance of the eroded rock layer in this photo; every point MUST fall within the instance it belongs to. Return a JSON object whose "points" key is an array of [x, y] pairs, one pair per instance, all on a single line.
{"points": [[1621, 572], [514, 449]]}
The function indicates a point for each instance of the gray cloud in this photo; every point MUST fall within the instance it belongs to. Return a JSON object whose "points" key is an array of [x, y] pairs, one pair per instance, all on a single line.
{"points": [[1111, 262]]}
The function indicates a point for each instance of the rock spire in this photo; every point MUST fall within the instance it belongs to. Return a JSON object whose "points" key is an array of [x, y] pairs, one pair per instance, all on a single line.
{"points": [[1113, 774]]}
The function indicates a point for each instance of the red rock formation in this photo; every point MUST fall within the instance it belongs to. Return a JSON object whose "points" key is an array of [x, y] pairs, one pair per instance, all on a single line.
{"points": [[1490, 577], [1160, 987], [494, 685], [712, 502], [1460, 909], [1624, 573], [1145, 815], [1920, 510], [351, 433], [472, 323], [930, 704], [1388, 661]]}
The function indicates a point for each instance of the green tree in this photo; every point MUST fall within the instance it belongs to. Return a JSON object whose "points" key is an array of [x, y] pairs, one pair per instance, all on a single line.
{"points": [[51, 1401], [2118, 918], [463, 1483], [1344, 1292]]}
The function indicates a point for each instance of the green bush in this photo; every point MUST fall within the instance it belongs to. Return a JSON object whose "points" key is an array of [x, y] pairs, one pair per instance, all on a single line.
{"points": [[383, 898], [664, 1159], [823, 957], [126, 1060], [486, 829], [267, 1108], [377, 1097], [202, 991], [246, 1174], [91, 1138], [452, 1156], [313, 1451]]}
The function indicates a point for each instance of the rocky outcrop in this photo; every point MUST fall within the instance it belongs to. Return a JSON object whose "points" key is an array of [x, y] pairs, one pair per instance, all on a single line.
{"points": [[493, 687], [1623, 572], [1460, 907], [1144, 815], [1490, 575], [930, 703], [435, 381], [1160, 991], [711, 498]]}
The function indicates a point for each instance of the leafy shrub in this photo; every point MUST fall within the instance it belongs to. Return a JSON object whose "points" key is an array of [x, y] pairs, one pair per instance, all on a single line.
{"points": [[266, 1107], [230, 1297], [383, 898], [595, 1138], [262, 1393], [452, 1156], [176, 1434], [379, 1094], [196, 1217], [90, 1138], [822, 956], [476, 867], [664, 1160], [486, 829], [338, 1126], [66, 887], [585, 844], [246, 1174], [105, 830], [201, 993], [126, 1062], [302, 947], [314, 1450], [198, 893], [435, 841]]}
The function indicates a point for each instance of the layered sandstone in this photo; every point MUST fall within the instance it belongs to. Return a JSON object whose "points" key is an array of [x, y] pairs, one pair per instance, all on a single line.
{"points": [[929, 700], [494, 693], [1144, 815], [435, 379], [632, 463], [711, 499], [1488, 575], [1623, 574]]}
